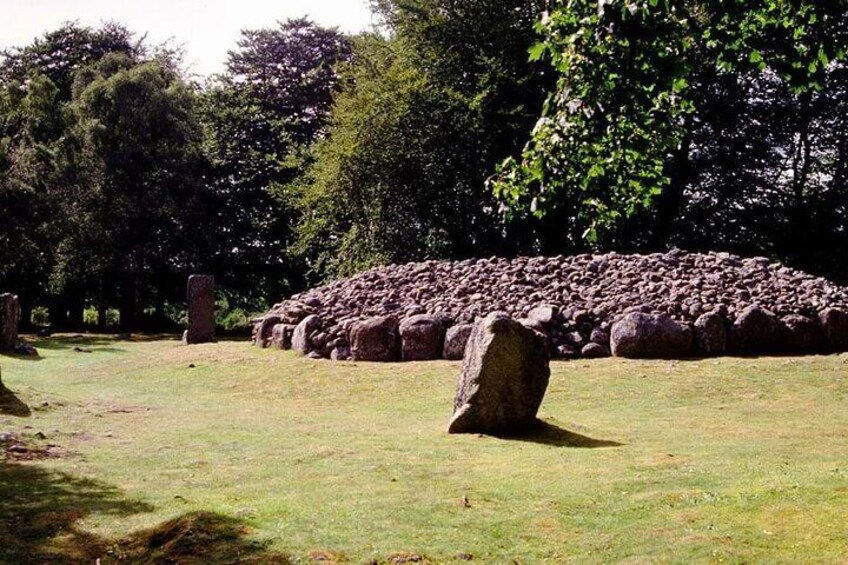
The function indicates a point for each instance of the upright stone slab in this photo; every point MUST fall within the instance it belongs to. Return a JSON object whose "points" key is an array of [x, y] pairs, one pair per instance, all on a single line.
{"points": [[504, 377], [201, 309], [10, 316]]}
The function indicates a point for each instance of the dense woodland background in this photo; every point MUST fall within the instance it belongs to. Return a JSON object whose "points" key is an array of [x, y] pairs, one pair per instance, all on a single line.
{"points": [[458, 128]]}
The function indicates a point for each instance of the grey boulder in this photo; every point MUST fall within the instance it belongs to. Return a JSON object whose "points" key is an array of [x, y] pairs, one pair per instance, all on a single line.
{"points": [[375, 339], [422, 338], [504, 377], [650, 336], [303, 332], [711, 334], [456, 339]]}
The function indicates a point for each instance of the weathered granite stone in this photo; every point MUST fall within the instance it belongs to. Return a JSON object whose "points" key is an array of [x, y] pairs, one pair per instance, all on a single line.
{"points": [[802, 335], [340, 353], [595, 351], [756, 331], [650, 336], [566, 352], [456, 339], [201, 309], [711, 334], [281, 336], [264, 330], [504, 377], [10, 316], [303, 333], [834, 321], [422, 338], [375, 339], [545, 315], [600, 336]]}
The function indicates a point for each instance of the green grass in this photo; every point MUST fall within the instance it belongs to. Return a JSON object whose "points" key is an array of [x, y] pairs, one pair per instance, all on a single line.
{"points": [[259, 454]]}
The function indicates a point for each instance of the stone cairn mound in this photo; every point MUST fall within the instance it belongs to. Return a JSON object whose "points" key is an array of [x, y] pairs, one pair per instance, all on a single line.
{"points": [[663, 305]]}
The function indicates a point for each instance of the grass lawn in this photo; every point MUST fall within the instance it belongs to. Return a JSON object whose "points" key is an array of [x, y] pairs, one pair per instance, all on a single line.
{"points": [[259, 456]]}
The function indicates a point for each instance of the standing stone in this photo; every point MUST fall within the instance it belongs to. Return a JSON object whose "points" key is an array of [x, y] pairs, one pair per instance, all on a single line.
{"points": [[201, 309], [10, 316], [504, 377], [421, 338], [456, 339]]}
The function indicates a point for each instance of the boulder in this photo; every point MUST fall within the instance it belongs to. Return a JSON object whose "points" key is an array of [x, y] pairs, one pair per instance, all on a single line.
{"points": [[802, 335], [421, 338], [835, 325], [650, 336], [566, 352], [10, 316], [201, 309], [375, 339], [504, 377], [756, 331], [340, 353], [595, 351], [546, 315], [281, 336], [456, 339], [711, 334], [303, 332], [264, 329], [600, 336]]}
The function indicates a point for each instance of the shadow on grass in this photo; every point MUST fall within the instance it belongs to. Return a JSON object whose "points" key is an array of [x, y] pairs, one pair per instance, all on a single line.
{"points": [[41, 510], [99, 343], [546, 433], [11, 405]]}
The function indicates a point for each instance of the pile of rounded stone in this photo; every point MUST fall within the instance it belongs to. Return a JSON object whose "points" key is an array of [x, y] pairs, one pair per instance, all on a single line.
{"points": [[663, 305]]}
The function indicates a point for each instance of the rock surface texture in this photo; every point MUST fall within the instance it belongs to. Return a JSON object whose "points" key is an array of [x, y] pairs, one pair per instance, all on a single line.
{"points": [[723, 303], [375, 339], [650, 336], [504, 377], [10, 317], [201, 309]]}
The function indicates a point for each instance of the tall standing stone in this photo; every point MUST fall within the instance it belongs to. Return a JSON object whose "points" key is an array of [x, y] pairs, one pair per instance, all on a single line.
{"points": [[504, 377], [201, 309], [10, 316]]}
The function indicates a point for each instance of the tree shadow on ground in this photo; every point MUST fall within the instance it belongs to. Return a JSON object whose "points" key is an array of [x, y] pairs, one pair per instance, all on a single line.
{"points": [[546, 433], [41, 510], [11, 405], [99, 343]]}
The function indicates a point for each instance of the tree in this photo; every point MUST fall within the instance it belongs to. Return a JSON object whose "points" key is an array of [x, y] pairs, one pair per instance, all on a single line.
{"points": [[31, 130], [260, 118], [426, 115], [135, 209], [616, 134], [42, 170], [59, 54]]}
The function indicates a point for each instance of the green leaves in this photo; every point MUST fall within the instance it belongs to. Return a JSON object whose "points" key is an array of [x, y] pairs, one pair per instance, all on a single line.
{"points": [[614, 117], [604, 142]]}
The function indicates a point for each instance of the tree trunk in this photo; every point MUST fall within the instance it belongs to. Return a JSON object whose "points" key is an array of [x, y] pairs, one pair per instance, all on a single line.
{"points": [[670, 202], [129, 305]]}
